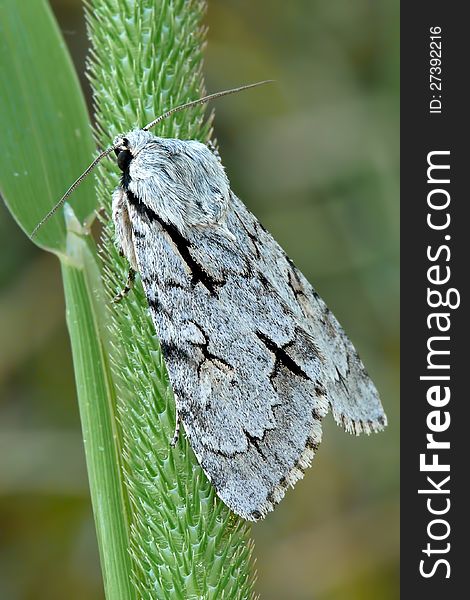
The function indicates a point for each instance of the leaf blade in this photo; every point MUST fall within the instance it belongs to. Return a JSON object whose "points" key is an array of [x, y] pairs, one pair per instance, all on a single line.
{"points": [[41, 102], [95, 390]]}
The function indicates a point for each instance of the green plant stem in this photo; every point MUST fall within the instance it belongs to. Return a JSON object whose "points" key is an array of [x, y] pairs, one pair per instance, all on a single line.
{"points": [[184, 542], [95, 390]]}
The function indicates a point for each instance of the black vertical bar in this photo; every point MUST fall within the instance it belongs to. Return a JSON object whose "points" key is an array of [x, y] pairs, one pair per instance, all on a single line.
{"points": [[422, 132]]}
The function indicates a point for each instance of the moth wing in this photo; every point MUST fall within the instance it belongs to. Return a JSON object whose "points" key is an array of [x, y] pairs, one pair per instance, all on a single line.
{"points": [[352, 396], [254, 356], [246, 373]]}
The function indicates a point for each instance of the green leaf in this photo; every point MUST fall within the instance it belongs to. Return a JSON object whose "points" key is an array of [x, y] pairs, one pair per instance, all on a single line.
{"points": [[86, 320], [47, 140], [46, 134]]}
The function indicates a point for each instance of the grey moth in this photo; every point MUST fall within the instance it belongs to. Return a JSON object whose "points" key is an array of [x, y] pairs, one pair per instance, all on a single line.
{"points": [[255, 357]]}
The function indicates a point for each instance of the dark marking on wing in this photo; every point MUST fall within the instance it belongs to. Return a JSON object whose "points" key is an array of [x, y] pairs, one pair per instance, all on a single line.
{"points": [[281, 357], [253, 237], [295, 284], [172, 351], [198, 274], [255, 442], [207, 354]]}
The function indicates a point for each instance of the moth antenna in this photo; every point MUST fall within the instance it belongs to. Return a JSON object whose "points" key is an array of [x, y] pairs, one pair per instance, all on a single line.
{"points": [[165, 115], [203, 101], [74, 185]]}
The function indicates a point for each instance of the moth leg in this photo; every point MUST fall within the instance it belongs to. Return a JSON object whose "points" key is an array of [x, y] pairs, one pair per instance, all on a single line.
{"points": [[127, 289], [100, 212], [174, 439], [123, 229]]}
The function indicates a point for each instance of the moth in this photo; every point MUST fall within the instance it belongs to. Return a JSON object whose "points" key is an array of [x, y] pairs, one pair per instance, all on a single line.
{"points": [[255, 357]]}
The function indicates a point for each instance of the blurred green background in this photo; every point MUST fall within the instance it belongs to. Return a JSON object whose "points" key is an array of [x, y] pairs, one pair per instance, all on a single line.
{"points": [[315, 157]]}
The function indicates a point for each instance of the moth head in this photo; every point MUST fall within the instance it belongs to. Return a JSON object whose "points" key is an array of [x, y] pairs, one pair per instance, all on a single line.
{"points": [[123, 152]]}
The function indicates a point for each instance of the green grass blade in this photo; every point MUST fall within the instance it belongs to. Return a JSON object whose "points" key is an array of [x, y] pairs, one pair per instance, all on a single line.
{"points": [[86, 324], [46, 134], [47, 141]]}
